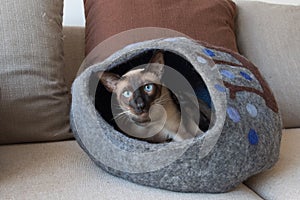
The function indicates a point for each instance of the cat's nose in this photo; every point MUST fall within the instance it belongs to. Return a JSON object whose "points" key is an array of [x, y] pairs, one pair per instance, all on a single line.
{"points": [[140, 105]]}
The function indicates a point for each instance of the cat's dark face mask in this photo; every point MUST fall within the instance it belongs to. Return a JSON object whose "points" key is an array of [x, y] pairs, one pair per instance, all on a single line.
{"points": [[142, 100]]}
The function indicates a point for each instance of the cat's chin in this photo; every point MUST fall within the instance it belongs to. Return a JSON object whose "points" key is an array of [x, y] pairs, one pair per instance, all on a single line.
{"points": [[141, 120], [144, 124]]}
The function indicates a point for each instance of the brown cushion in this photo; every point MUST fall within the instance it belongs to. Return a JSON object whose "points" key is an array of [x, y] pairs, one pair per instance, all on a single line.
{"points": [[207, 20], [34, 103]]}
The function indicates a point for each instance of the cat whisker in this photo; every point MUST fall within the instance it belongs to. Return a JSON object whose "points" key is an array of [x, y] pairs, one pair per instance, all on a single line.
{"points": [[116, 105], [123, 119], [164, 95], [162, 101], [120, 115]]}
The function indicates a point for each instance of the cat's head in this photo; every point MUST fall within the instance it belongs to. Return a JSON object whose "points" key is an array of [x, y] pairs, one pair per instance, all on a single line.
{"points": [[137, 90]]}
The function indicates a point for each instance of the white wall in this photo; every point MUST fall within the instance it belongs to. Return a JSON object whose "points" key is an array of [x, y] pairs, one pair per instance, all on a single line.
{"points": [[293, 2], [74, 12]]}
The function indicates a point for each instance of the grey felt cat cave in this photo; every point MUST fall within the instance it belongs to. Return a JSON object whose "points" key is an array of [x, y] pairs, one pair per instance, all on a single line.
{"points": [[243, 138]]}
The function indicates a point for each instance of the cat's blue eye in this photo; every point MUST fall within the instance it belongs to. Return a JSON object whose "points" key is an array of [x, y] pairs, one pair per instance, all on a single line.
{"points": [[127, 94], [148, 88]]}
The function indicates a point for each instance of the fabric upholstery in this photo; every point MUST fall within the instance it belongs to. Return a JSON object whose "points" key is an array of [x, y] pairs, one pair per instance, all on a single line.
{"points": [[268, 35], [208, 20], [281, 182], [61, 170], [73, 52], [34, 104]]}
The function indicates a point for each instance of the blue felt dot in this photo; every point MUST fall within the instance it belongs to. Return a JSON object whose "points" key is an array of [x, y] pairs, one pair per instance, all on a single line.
{"points": [[201, 60], [220, 88], [253, 137], [227, 74], [252, 110], [233, 114], [209, 52], [246, 76]]}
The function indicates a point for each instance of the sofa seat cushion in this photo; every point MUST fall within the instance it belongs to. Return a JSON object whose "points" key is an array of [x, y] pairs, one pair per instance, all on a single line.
{"points": [[281, 182], [61, 170]]}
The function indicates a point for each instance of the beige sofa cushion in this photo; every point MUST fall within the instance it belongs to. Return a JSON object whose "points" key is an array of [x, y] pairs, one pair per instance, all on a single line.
{"points": [[269, 35], [61, 170], [74, 44], [34, 103]]}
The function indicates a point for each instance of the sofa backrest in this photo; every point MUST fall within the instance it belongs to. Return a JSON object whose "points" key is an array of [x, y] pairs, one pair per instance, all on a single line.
{"points": [[74, 45], [267, 34]]}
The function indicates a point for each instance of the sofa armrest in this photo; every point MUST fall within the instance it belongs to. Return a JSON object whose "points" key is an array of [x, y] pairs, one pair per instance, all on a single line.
{"points": [[268, 35]]}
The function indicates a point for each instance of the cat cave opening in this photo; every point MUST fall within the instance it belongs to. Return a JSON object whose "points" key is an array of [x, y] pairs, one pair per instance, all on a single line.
{"points": [[188, 92]]}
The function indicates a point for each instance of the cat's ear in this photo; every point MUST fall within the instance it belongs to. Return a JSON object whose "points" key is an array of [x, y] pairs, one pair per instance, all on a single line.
{"points": [[109, 80], [156, 64], [158, 57]]}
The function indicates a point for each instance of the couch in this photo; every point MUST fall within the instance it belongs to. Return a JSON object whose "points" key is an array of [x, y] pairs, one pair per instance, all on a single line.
{"points": [[61, 169]]}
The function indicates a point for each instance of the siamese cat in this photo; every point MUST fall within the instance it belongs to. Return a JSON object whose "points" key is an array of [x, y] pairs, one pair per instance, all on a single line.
{"points": [[146, 109]]}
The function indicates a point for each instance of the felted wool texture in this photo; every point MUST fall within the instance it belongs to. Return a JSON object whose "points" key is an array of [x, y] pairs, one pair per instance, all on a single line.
{"points": [[243, 140], [212, 21], [268, 35], [34, 103]]}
